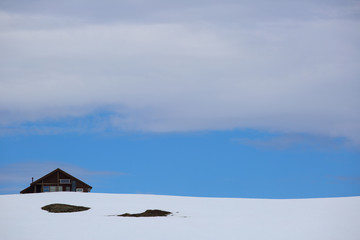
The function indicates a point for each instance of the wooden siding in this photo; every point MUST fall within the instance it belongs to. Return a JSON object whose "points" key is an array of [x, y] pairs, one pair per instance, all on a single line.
{"points": [[53, 179]]}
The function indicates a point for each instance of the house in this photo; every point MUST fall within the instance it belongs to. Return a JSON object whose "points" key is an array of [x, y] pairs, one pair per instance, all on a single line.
{"points": [[57, 181]]}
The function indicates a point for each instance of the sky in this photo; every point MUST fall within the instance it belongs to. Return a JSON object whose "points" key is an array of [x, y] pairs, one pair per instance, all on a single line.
{"points": [[195, 98]]}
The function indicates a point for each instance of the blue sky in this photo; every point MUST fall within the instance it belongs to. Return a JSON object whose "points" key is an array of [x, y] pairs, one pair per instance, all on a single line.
{"points": [[212, 163], [196, 98]]}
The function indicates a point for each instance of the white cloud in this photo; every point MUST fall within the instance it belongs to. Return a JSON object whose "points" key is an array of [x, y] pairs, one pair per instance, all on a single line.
{"points": [[284, 74]]}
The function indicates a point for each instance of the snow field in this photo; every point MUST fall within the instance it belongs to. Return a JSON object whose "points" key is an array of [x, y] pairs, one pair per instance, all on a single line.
{"points": [[21, 218]]}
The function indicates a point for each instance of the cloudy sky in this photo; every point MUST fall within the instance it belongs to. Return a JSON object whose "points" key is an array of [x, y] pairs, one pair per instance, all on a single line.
{"points": [[267, 75]]}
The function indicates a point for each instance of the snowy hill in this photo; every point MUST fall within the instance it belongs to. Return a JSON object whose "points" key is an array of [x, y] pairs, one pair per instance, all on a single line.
{"points": [[21, 218]]}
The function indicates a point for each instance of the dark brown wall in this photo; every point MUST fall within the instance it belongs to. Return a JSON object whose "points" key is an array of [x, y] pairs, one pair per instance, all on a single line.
{"points": [[54, 180]]}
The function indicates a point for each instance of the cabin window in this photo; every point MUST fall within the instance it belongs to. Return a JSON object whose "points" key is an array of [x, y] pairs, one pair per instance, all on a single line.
{"points": [[52, 188], [46, 189], [67, 189], [64, 181], [60, 188], [79, 189]]}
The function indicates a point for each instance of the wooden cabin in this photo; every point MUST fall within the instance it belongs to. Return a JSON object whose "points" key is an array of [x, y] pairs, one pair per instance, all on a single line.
{"points": [[57, 181]]}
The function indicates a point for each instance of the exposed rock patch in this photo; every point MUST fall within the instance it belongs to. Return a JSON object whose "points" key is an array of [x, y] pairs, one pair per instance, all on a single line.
{"points": [[147, 213], [63, 208]]}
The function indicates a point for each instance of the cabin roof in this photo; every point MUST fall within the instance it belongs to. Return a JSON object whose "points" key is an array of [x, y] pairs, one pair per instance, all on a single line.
{"points": [[51, 173]]}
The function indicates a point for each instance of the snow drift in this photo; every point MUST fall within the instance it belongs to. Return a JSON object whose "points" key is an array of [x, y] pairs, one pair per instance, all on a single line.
{"points": [[21, 218]]}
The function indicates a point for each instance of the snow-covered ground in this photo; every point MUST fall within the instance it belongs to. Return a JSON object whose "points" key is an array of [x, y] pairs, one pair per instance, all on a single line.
{"points": [[21, 218]]}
